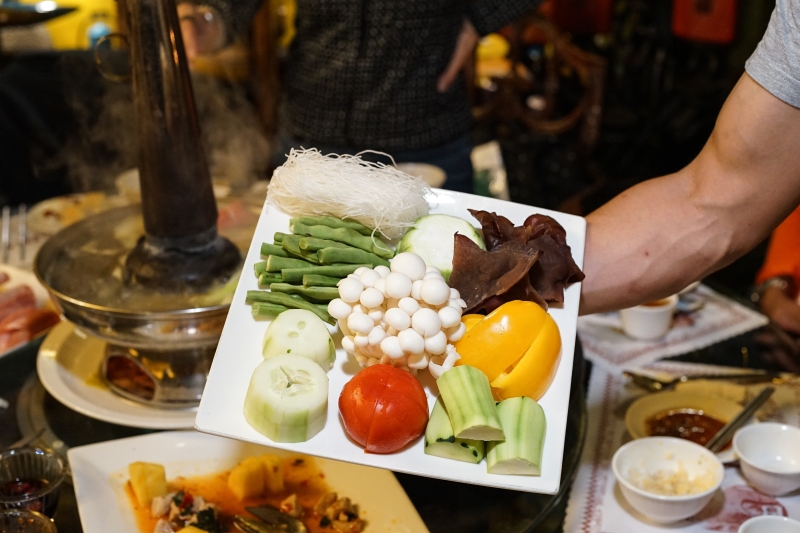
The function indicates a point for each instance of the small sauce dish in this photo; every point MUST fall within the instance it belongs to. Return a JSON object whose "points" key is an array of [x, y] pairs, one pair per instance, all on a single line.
{"points": [[666, 479], [649, 321], [769, 456], [770, 524]]}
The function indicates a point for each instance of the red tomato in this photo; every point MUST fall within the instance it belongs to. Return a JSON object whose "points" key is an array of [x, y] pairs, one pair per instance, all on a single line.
{"points": [[383, 408]]}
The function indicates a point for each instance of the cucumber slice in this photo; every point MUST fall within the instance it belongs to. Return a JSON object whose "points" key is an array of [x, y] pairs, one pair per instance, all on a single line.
{"points": [[432, 239], [287, 399], [466, 394], [525, 426], [300, 332], [440, 440]]}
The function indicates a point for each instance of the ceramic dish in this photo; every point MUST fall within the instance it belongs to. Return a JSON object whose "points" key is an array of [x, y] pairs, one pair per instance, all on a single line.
{"points": [[239, 352], [17, 276], [68, 365], [51, 216], [100, 473], [646, 407]]}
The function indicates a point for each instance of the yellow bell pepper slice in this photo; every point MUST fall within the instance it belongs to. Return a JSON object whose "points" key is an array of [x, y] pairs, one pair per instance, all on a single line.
{"points": [[471, 320], [498, 341], [534, 372]]}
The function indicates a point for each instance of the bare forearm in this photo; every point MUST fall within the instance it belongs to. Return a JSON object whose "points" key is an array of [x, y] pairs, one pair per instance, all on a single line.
{"points": [[657, 237]]}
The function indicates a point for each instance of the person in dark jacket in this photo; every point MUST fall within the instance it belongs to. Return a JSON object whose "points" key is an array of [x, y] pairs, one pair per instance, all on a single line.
{"points": [[379, 75]]}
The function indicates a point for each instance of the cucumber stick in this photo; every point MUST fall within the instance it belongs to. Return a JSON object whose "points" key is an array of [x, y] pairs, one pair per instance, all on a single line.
{"points": [[440, 440], [525, 426], [432, 239], [300, 332], [287, 399], [466, 394]]}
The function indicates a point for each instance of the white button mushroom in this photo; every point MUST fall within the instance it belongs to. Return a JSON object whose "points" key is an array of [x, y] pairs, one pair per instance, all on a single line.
{"points": [[436, 344], [397, 318], [415, 288], [409, 305], [348, 344], [339, 309], [359, 309], [381, 286], [371, 298], [362, 359], [350, 290], [376, 314], [398, 285], [454, 294], [376, 335], [431, 268], [426, 322], [433, 275], [359, 270], [382, 270], [409, 264], [454, 334], [360, 323], [372, 361], [418, 361], [411, 342], [450, 316], [434, 291], [360, 340], [369, 277], [391, 347]]}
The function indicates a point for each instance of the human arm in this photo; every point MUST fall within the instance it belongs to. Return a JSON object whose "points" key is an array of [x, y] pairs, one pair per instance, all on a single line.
{"points": [[657, 237]]}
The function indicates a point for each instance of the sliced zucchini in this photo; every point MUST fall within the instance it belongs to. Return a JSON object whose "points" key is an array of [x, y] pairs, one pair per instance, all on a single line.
{"points": [[440, 440]]}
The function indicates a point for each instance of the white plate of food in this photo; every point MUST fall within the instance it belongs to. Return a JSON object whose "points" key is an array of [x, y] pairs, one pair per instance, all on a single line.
{"points": [[240, 348], [68, 365], [106, 501], [25, 309]]}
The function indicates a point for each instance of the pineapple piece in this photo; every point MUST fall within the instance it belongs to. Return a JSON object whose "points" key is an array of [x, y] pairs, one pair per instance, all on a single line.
{"points": [[148, 480], [247, 479], [273, 473], [192, 529]]}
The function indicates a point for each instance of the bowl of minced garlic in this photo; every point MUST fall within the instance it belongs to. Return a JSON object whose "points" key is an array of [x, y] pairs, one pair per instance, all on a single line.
{"points": [[665, 479]]}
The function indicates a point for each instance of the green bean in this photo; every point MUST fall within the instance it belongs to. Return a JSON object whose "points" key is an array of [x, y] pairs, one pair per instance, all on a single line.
{"points": [[313, 244], [287, 300], [276, 263], [266, 309], [260, 268], [328, 256], [295, 275], [272, 249], [320, 294], [291, 245], [278, 237], [333, 222], [315, 280], [269, 277], [346, 236]]}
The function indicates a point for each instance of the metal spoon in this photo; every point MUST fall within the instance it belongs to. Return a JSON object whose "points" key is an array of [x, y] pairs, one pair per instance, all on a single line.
{"points": [[655, 385], [724, 435]]}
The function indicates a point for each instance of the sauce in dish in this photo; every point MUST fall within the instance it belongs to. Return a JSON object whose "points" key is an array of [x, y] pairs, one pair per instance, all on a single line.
{"points": [[689, 424]]}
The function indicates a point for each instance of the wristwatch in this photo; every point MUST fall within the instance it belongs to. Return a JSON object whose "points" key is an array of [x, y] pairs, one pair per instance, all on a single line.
{"points": [[784, 283]]}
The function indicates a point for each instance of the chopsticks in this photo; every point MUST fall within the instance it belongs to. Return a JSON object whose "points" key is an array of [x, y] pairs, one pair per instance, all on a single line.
{"points": [[5, 233], [724, 435]]}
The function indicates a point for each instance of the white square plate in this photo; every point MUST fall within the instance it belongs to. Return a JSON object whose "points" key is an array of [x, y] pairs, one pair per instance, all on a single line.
{"points": [[239, 352], [100, 473]]}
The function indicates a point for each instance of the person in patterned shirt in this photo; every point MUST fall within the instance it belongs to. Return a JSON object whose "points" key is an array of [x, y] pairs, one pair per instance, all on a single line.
{"points": [[380, 75]]}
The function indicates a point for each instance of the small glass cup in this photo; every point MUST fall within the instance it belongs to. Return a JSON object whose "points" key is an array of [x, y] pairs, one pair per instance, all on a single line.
{"points": [[25, 521], [30, 478]]}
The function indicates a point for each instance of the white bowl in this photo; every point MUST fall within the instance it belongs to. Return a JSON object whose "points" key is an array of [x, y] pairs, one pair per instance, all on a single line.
{"points": [[652, 455], [770, 524], [769, 455], [649, 321]]}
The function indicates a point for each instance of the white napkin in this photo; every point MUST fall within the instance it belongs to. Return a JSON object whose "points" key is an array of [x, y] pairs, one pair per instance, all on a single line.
{"points": [[596, 504], [720, 318]]}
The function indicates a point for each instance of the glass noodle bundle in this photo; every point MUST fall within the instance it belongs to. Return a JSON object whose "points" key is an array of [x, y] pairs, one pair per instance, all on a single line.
{"points": [[345, 186]]}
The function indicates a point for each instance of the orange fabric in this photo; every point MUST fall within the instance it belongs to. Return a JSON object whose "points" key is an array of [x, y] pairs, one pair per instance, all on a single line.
{"points": [[783, 254]]}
